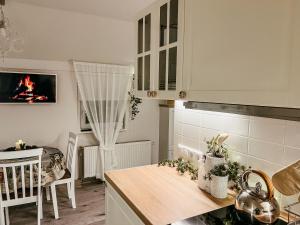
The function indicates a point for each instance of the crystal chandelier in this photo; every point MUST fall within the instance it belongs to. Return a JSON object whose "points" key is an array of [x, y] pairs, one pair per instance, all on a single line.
{"points": [[9, 39]]}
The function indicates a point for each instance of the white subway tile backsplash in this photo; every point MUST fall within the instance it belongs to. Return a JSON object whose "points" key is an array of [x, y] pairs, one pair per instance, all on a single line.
{"points": [[179, 105], [189, 142], [265, 150], [237, 143], [267, 129], [236, 125], [292, 134], [179, 115], [239, 157], [212, 121], [178, 127], [191, 131], [264, 165], [191, 117], [262, 143], [291, 155]]}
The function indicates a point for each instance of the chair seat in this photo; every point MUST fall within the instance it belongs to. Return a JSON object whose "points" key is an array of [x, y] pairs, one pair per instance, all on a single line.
{"points": [[65, 179]]}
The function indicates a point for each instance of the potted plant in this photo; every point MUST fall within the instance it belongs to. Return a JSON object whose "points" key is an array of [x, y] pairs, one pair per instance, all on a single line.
{"points": [[217, 153], [219, 180], [221, 175]]}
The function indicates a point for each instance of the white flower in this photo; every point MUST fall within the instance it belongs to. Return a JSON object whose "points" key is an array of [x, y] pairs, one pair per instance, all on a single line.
{"points": [[221, 138]]}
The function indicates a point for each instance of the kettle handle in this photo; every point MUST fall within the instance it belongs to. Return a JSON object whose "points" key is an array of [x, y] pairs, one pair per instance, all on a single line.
{"points": [[264, 176]]}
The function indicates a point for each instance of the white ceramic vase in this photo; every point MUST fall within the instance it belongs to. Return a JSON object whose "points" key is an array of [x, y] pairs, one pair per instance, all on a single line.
{"points": [[218, 186], [204, 166]]}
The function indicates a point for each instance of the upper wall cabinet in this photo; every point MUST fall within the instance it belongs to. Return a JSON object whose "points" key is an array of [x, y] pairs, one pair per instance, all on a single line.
{"points": [[230, 51], [159, 67], [240, 51], [144, 62]]}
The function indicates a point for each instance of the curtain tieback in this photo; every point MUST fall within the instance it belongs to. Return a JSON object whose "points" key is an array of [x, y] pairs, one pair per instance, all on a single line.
{"points": [[106, 149]]}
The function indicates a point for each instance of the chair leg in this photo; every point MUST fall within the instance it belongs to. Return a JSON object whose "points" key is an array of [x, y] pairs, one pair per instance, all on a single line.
{"points": [[54, 200], [48, 193], [38, 204], [72, 184], [69, 190], [7, 216], [40, 208], [2, 216]]}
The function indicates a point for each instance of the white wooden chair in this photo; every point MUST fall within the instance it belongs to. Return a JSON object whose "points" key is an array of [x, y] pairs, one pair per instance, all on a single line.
{"points": [[20, 161], [70, 180]]}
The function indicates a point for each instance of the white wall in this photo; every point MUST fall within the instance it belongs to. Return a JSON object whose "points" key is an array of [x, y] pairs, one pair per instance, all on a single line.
{"points": [[49, 124], [52, 39], [62, 35], [262, 143]]}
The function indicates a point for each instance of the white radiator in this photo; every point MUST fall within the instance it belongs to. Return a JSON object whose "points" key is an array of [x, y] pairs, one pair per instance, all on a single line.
{"points": [[130, 154]]}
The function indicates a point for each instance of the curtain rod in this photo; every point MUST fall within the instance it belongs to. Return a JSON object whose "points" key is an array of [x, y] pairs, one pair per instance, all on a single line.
{"points": [[74, 60]]}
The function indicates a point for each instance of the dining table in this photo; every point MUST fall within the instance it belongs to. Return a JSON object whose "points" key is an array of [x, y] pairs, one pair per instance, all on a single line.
{"points": [[53, 165]]}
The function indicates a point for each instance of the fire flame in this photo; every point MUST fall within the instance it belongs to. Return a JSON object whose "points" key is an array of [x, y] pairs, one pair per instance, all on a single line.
{"points": [[28, 94]]}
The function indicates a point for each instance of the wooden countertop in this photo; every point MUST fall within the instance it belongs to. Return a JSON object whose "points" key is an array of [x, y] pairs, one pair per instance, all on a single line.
{"points": [[160, 196]]}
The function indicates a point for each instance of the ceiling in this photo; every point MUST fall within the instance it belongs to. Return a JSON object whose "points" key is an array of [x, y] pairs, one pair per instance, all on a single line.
{"points": [[117, 9]]}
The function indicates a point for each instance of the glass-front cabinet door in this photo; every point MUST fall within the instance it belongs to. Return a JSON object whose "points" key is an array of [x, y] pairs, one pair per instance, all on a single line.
{"points": [[159, 50], [170, 48], [144, 63]]}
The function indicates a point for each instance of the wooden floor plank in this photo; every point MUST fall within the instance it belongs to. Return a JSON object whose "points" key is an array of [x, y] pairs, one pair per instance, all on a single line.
{"points": [[90, 199]]}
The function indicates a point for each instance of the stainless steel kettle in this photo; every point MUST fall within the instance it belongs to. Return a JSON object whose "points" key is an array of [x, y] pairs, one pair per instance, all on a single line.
{"points": [[255, 205]]}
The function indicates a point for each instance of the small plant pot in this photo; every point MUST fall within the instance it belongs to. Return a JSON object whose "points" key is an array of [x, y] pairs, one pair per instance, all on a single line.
{"points": [[218, 186], [212, 161]]}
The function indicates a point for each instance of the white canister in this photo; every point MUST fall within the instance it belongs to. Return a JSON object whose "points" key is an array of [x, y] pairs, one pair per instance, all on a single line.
{"points": [[204, 184], [219, 186], [212, 161]]}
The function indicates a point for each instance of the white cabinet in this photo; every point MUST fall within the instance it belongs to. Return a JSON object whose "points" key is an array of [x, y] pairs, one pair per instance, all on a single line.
{"points": [[238, 51], [117, 211], [229, 51], [160, 50]]}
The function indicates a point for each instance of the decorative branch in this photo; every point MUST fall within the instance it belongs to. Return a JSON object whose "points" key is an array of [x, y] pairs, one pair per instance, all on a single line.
{"points": [[134, 105]]}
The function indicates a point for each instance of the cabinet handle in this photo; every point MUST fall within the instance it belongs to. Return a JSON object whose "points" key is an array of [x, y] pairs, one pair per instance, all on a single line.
{"points": [[149, 94], [182, 94], [154, 94]]}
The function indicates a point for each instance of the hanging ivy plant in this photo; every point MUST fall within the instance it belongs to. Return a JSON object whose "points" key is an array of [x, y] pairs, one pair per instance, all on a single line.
{"points": [[182, 166], [134, 105]]}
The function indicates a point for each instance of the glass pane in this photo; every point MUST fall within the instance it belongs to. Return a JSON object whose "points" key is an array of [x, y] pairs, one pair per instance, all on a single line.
{"points": [[163, 24], [140, 73], [147, 73], [162, 70], [172, 68], [140, 36], [147, 32], [173, 21]]}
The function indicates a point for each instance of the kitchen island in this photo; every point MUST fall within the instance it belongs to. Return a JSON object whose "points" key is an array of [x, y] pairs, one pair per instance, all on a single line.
{"points": [[155, 195]]}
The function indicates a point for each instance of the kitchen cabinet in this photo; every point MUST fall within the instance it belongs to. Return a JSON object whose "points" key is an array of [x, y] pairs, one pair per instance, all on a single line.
{"points": [[160, 50], [239, 52], [228, 51]]}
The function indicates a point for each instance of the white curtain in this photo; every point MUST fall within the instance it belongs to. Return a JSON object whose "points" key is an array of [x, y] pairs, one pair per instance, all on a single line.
{"points": [[104, 93]]}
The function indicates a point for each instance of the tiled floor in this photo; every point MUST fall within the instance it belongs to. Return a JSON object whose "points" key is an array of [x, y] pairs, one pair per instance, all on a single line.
{"points": [[90, 208]]}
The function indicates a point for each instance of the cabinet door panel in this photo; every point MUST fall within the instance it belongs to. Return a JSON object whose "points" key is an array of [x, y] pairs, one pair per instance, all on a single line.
{"points": [[163, 24], [147, 73], [173, 24], [162, 69], [238, 45], [172, 70], [148, 32], [140, 35], [140, 73]]}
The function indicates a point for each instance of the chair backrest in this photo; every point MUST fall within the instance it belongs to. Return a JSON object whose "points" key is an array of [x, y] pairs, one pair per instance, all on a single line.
{"points": [[71, 153], [16, 166]]}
